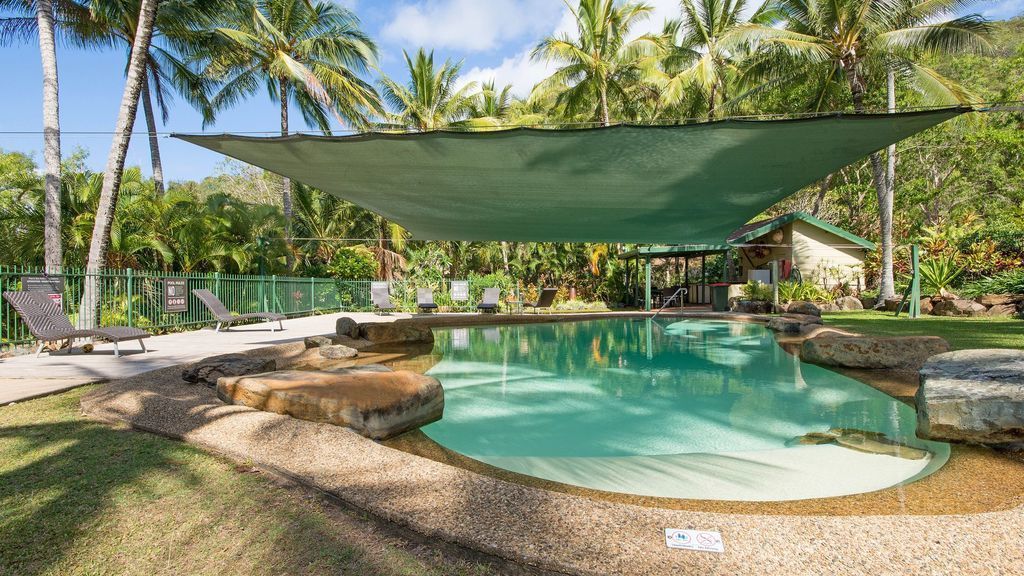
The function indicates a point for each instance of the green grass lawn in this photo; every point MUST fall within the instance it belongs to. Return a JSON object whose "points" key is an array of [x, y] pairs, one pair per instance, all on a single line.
{"points": [[79, 497], [961, 333]]}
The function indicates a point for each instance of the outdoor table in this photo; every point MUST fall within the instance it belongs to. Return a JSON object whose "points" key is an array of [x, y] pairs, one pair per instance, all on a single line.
{"points": [[514, 306]]}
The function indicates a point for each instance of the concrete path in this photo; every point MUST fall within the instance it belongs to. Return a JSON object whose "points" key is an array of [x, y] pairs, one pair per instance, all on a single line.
{"points": [[25, 377]]}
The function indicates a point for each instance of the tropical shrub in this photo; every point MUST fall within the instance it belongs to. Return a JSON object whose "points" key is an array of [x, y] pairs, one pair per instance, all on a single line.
{"points": [[354, 263], [499, 279], [754, 290], [806, 291], [1009, 282], [939, 273]]}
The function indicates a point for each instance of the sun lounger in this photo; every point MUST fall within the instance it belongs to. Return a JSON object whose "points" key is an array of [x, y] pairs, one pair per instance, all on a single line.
{"points": [[48, 323], [490, 300], [425, 299], [380, 295], [546, 299], [226, 318]]}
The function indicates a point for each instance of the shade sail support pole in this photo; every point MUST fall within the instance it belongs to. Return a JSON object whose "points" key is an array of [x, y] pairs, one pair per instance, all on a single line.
{"points": [[647, 284]]}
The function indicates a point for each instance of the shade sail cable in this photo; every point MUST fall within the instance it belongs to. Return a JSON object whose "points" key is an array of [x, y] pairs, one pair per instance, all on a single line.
{"points": [[673, 184]]}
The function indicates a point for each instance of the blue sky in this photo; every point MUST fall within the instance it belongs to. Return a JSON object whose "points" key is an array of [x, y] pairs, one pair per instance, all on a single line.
{"points": [[492, 37]]}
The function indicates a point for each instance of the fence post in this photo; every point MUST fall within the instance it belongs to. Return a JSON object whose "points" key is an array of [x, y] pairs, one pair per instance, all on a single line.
{"points": [[915, 284], [312, 293], [216, 284], [130, 281], [273, 293]]}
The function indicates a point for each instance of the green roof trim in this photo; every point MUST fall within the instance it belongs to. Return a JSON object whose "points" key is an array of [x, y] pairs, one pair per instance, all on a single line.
{"points": [[781, 221], [664, 251], [663, 184]]}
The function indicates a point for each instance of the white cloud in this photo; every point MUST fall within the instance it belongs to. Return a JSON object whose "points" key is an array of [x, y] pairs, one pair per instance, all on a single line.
{"points": [[1003, 9], [524, 73], [469, 25], [519, 71]]}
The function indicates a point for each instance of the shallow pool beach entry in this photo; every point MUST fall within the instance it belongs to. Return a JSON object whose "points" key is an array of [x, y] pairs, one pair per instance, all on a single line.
{"points": [[672, 408]]}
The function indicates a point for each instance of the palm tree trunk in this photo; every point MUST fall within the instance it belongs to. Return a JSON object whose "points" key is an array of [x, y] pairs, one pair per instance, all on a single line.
{"points": [[51, 137], [605, 118], [711, 103], [504, 255], [115, 163], [885, 201], [154, 145], [823, 187], [886, 282], [286, 183]]}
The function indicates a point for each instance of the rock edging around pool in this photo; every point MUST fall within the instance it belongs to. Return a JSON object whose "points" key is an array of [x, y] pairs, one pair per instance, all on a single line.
{"points": [[552, 530]]}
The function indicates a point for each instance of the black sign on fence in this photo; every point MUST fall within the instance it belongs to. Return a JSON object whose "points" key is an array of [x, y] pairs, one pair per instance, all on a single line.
{"points": [[52, 285], [175, 295], [48, 284]]}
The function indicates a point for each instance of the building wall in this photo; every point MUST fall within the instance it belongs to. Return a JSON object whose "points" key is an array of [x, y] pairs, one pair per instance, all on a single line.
{"points": [[821, 257], [825, 258]]}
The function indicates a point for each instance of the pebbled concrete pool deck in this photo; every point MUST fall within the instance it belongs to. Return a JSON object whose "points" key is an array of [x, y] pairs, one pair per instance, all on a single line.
{"points": [[554, 530]]}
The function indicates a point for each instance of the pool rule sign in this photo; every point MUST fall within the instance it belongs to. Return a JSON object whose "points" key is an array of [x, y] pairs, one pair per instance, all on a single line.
{"points": [[52, 285], [175, 295]]}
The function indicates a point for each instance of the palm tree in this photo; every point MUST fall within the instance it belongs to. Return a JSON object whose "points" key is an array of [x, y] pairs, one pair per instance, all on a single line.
{"points": [[829, 42], [307, 53], [46, 18], [115, 161], [432, 98], [599, 63], [703, 52], [176, 22], [490, 107]]}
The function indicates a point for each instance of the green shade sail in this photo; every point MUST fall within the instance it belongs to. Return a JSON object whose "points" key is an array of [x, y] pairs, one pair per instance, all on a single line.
{"points": [[692, 183]]}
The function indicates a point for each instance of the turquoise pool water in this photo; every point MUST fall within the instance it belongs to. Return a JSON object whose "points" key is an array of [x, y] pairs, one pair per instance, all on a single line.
{"points": [[673, 408]]}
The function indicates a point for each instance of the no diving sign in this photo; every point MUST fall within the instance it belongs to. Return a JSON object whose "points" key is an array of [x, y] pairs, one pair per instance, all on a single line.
{"points": [[701, 540]]}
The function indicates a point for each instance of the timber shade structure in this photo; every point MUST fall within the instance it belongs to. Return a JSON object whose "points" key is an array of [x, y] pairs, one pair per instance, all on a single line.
{"points": [[680, 184]]}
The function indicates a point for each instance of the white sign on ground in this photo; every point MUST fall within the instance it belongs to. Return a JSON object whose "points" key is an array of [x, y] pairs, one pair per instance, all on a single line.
{"points": [[701, 540]]}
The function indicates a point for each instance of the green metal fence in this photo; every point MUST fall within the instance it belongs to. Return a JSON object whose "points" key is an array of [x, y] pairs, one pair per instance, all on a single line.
{"points": [[136, 298]]}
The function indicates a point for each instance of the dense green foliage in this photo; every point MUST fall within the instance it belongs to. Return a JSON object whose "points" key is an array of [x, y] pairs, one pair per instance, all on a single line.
{"points": [[958, 189]]}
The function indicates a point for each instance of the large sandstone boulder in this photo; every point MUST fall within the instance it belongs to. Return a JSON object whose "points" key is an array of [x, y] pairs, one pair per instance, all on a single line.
{"points": [[892, 304], [801, 307], [892, 352], [972, 396], [354, 343], [792, 323], [752, 306], [847, 303], [958, 307], [399, 331], [209, 370], [372, 400], [1001, 310], [926, 306], [346, 326], [998, 299], [338, 352], [317, 341]]}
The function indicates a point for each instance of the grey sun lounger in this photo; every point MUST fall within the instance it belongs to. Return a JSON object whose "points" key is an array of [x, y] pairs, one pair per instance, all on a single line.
{"points": [[380, 295], [425, 300], [226, 318], [546, 299], [48, 323], [490, 300]]}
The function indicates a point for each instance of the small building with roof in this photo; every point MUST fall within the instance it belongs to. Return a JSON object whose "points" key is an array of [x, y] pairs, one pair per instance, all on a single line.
{"points": [[803, 247], [806, 248]]}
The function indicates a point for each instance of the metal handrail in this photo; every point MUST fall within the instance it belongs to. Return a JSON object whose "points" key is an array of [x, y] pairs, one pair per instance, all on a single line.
{"points": [[680, 292]]}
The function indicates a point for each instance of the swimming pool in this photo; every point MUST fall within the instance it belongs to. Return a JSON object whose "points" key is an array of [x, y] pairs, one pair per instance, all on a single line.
{"points": [[699, 409]]}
